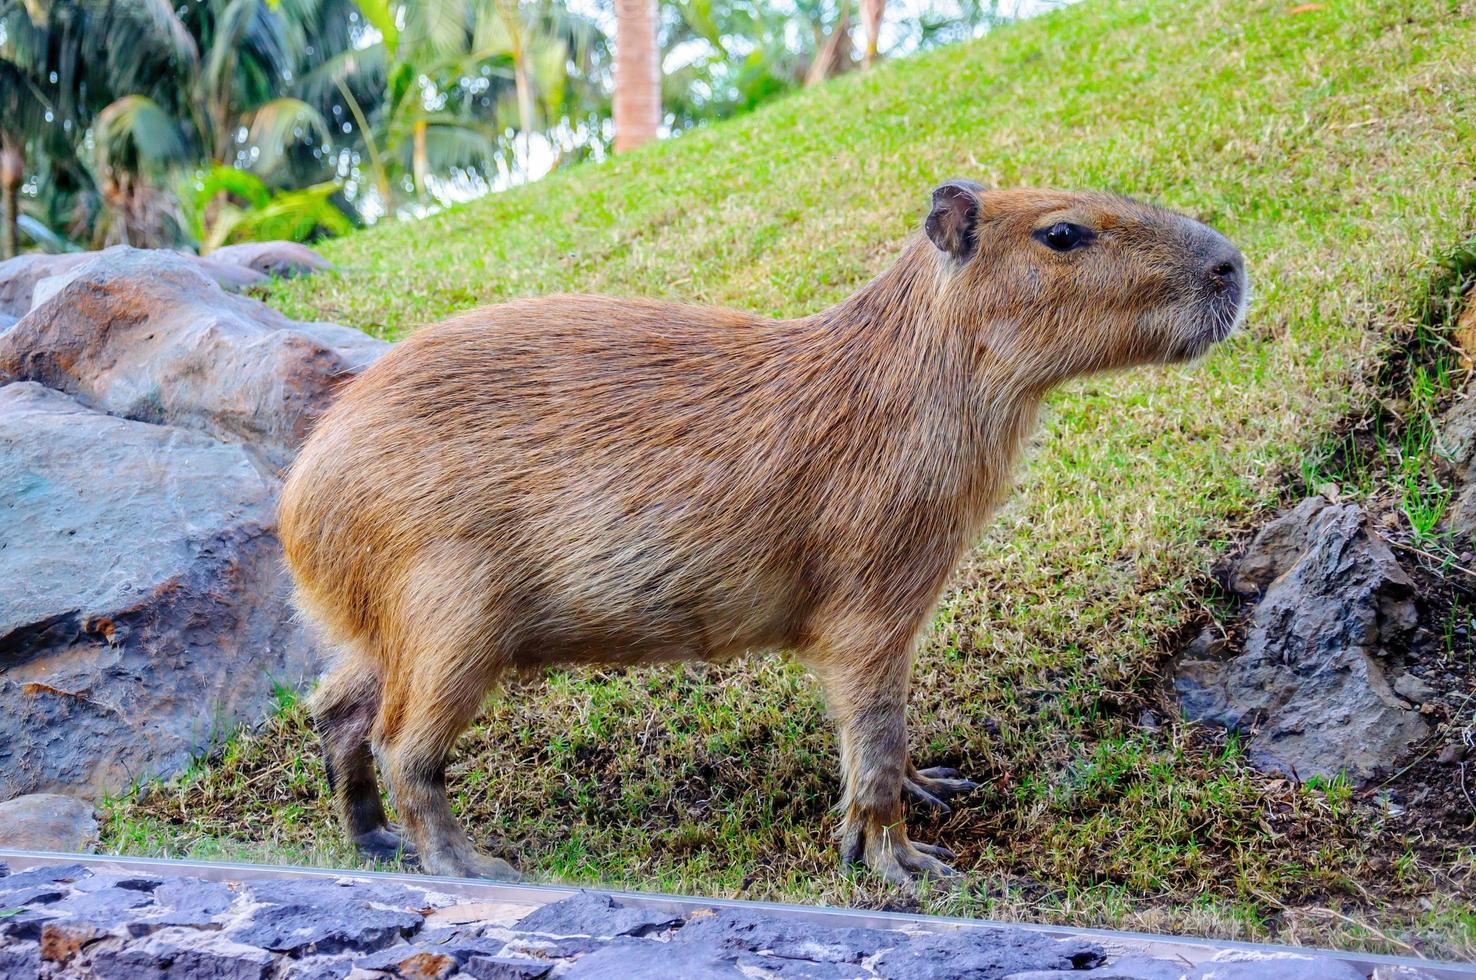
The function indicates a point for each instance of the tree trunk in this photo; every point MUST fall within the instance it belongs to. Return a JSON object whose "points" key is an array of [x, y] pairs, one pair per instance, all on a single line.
{"points": [[637, 74], [526, 109], [871, 20], [12, 171], [835, 54]]}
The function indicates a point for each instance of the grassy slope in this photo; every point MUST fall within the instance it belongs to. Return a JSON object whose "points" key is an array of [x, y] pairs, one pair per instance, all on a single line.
{"points": [[1335, 146]]}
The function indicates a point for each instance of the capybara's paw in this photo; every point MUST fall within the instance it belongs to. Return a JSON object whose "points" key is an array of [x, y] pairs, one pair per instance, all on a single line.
{"points": [[475, 865], [930, 787], [888, 853], [385, 844]]}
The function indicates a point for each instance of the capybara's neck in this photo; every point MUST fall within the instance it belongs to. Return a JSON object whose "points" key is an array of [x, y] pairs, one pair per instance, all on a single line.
{"points": [[913, 378]]}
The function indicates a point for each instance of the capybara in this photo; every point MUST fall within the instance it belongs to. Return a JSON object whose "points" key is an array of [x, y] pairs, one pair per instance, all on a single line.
{"points": [[588, 480]]}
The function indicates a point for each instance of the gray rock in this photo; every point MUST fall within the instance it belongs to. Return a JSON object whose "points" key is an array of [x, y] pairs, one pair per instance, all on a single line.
{"points": [[1276, 548], [1457, 443], [106, 908], [62, 940], [184, 954], [48, 822], [46, 874], [1460, 519], [136, 883], [301, 929], [20, 960], [33, 896], [592, 914], [228, 276], [143, 604], [187, 902], [148, 336], [1122, 968], [1400, 972], [1457, 436], [419, 961], [985, 954], [731, 930], [787, 969], [7, 321], [548, 947], [635, 959], [23, 926], [429, 955], [505, 968], [1414, 689], [1235, 964], [326, 893], [319, 968], [282, 259], [18, 277], [1310, 686]]}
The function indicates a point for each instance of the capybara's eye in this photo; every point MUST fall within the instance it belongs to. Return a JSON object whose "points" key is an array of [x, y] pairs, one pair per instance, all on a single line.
{"points": [[1064, 236]]}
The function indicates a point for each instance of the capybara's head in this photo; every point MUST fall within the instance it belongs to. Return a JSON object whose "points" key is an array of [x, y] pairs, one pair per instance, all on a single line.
{"points": [[1065, 284]]}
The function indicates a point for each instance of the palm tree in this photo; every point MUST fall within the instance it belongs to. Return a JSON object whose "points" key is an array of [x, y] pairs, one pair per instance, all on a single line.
{"points": [[19, 99], [871, 20], [26, 41], [637, 107], [833, 52], [409, 112]]}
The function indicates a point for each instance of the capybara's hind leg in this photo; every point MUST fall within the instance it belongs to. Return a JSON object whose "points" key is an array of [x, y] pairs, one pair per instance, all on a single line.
{"points": [[344, 708], [420, 720]]}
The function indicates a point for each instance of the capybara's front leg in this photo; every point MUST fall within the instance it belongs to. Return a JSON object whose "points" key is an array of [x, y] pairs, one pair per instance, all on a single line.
{"points": [[867, 693]]}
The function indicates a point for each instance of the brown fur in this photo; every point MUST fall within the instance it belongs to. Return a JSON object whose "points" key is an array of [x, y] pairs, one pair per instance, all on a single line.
{"points": [[580, 479]]}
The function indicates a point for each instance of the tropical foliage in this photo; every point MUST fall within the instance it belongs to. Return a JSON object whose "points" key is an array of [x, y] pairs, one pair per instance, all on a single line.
{"points": [[204, 121]]}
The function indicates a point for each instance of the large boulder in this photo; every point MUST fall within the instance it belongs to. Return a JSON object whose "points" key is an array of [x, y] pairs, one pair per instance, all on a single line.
{"points": [[48, 822], [1314, 684], [281, 259], [143, 603], [18, 277], [28, 280], [149, 336]]}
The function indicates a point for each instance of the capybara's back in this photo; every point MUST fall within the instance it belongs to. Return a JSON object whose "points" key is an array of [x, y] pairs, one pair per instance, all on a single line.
{"points": [[584, 479]]}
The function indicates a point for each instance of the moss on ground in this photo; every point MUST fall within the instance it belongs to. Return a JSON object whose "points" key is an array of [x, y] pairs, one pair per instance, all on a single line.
{"points": [[1332, 142]]}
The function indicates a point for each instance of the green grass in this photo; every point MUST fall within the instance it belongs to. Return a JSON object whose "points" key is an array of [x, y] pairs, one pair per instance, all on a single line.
{"points": [[1334, 146]]}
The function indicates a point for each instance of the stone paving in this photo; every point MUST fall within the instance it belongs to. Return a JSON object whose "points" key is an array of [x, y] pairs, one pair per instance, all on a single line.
{"points": [[66, 920]]}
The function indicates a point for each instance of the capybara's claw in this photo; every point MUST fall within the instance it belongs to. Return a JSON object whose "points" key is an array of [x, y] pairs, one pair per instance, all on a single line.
{"points": [[470, 866], [888, 853], [931, 787], [927, 799], [903, 863], [936, 850], [384, 844]]}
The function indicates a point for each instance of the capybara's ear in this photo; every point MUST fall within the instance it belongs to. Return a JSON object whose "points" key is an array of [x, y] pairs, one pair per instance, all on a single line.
{"points": [[951, 225]]}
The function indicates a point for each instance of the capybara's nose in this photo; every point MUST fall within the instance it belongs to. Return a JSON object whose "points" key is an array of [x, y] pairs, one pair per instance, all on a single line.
{"points": [[1226, 271]]}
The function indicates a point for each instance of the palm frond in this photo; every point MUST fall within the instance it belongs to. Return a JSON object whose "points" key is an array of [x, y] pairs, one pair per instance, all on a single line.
{"points": [[449, 144], [42, 236], [137, 135], [278, 125], [362, 68]]}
